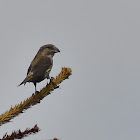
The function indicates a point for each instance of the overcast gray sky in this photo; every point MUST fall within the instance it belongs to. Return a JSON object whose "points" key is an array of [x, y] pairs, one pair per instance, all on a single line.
{"points": [[100, 41]]}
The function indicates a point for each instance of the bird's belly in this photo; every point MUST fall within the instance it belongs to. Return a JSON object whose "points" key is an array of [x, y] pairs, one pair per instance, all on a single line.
{"points": [[38, 79]]}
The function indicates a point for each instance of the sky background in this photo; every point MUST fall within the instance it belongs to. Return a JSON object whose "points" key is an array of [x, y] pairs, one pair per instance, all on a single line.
{"points": [[100, 41]]}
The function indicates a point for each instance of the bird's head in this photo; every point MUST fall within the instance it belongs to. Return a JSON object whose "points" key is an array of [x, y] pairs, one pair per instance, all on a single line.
{"points": [[49, 49]]}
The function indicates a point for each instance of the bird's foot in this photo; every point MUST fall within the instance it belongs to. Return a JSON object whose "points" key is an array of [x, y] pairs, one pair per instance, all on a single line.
{"points": [[36, 92], [51, 80]]}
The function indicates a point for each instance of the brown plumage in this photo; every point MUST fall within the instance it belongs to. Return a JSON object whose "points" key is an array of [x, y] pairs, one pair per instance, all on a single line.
{"points": [[41, 65]]}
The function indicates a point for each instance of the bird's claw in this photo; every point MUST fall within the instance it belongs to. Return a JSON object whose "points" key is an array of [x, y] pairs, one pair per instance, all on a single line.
{"points": [[36, 92], [51, 80]]}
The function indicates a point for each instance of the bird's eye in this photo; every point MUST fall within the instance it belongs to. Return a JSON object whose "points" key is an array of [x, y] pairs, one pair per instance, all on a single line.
{"points": [[49, 47]]}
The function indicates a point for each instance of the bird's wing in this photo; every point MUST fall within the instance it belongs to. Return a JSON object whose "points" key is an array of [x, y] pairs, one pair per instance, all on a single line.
{"points": [[29, 69], [39, 66], [36, 58]]}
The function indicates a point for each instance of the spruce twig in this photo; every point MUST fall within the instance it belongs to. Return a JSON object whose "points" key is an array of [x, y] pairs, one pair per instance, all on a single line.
{"points": [[19, 135], [35, 98]]}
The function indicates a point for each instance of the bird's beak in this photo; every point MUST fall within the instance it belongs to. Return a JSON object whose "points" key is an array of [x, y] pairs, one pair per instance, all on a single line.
{"points": [[57, 50]]}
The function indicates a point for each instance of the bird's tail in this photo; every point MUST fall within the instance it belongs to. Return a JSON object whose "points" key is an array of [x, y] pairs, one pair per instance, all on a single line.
{"points": [[24, 82], [27, 79], [20, 84]]}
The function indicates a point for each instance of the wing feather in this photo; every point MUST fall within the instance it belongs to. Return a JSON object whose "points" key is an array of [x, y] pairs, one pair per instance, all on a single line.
{"points": [[38, 68]]}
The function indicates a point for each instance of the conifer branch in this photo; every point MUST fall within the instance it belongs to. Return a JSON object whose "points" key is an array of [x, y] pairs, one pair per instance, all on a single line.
{"points": [[19, 135], [35, 98]]}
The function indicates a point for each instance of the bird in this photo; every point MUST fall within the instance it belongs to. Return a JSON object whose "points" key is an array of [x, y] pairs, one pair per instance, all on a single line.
{"points": [[41, 65]]}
